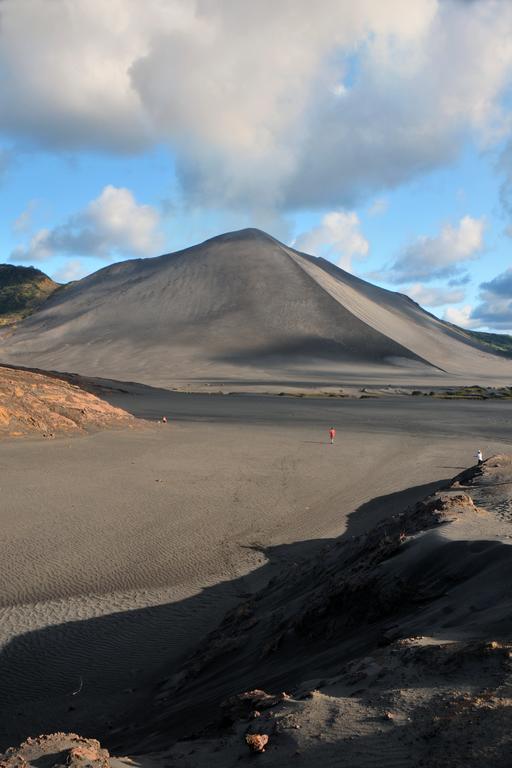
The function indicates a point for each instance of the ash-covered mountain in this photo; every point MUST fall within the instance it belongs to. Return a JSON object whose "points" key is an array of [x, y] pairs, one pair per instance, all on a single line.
{"points": [[239, 307]]}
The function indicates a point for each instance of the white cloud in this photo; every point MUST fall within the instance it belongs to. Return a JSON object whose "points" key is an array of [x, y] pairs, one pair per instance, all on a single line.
{"points": [[261, 101], [461, 316], [114, 223], [338, 237], [38, 248], [429, 258], [429, 296], [495, 303], [72, 270], [23, 222]]}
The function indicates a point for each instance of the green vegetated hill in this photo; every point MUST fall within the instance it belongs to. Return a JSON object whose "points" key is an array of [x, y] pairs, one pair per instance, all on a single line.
{"points": [[499, 342], [22, 290]]}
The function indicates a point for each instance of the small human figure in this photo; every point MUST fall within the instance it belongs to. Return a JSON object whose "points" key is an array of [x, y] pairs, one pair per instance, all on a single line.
{"points": [[332, 434], [164, 419], [479, 457]]}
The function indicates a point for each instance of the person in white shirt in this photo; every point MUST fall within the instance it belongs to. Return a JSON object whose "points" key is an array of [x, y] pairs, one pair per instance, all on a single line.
{"points": [[479, 456]]}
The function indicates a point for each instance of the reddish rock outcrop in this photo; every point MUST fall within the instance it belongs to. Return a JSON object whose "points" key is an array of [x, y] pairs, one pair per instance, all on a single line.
{"points": [[256, 741], [242, 705], [32, 403], [55, 751]]}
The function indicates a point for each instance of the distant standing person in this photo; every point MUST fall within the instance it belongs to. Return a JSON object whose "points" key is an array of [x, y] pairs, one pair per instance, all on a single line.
{"points": [[479, 456], [332, 434]]}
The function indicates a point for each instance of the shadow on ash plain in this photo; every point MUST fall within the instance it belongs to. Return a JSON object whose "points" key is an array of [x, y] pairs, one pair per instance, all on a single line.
{"points": [[99, 676]]}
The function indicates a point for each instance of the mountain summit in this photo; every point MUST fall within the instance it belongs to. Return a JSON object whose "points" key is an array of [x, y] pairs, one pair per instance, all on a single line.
{"points": [[241, 306]]}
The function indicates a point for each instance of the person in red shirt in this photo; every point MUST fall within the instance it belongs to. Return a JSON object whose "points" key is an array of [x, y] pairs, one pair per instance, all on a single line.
{"points": [[332, 434]]}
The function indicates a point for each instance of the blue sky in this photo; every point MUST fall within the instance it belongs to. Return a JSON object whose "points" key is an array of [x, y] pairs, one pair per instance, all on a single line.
{"points": [[380, 139]]}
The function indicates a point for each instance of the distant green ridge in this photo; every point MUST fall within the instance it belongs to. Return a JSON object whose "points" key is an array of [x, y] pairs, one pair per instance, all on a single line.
{"points": [[22, 291], [500, 343]]}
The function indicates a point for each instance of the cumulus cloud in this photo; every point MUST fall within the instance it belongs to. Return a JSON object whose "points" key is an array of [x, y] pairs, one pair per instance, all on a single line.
{"points": [[494, 309], [265, 104], [461, 316], [114, 223], [72, 270], [338, 237], [463, 279], [68, 63], [36, 250], [429, 296], [430, 258]]}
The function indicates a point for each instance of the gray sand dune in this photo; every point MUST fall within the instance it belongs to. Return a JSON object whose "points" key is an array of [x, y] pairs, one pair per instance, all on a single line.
{"points": [[240, 307]]}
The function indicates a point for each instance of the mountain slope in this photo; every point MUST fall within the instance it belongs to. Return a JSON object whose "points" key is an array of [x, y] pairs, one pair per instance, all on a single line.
{"points": [[242, 307], [401, 319]]}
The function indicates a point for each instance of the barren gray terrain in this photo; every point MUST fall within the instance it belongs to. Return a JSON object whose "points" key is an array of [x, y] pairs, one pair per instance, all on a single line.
{"points": [[243, 309], [123, 549]]}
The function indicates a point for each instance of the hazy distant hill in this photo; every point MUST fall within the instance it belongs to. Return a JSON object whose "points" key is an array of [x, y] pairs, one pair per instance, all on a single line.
{"points": [[22, 290], [242, 307], [499, 343]]}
